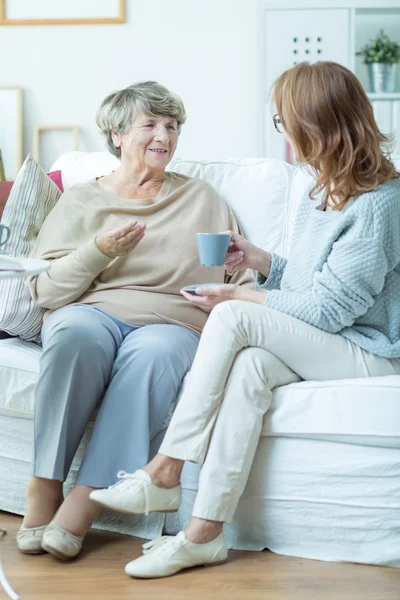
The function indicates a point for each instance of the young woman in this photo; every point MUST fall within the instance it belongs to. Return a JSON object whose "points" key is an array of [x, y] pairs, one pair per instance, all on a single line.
{"points": [[329, 311]]}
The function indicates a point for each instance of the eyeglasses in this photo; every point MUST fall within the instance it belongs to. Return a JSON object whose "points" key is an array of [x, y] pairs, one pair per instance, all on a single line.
{"points": [[278, 124]]}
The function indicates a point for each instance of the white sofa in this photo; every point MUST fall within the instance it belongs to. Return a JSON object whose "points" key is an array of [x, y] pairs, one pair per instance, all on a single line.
{"points": [[325, 481]]}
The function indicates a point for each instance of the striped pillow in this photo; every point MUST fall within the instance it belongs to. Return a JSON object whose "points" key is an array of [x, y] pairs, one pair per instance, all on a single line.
{"points": [[32, 197]]}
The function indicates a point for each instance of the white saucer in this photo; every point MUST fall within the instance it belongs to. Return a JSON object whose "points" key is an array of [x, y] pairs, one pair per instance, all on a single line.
{"points": [[191, 289], [31, 266]]}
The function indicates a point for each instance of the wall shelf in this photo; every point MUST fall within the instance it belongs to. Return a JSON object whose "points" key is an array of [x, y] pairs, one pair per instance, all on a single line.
{"points": [[384, 96], [311, 30]]}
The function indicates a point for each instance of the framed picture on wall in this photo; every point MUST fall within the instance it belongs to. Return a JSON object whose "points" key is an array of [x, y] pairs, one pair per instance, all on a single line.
{"points": [[61, 12], [11, 128]]}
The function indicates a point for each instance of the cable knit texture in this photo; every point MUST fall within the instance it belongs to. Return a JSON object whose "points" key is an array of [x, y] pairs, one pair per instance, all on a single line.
{"points": [[343, 272]]}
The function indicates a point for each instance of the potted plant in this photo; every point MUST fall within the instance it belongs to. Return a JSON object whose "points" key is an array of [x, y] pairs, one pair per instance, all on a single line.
{"points": [[381, 55]]}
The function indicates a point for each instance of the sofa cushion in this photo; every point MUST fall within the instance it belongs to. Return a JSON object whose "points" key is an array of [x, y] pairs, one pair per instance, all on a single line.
{"points": [[80, 167], [357, 411], [56, 177], [5, 189], [19, 372], [257, 190], [32, 197]]}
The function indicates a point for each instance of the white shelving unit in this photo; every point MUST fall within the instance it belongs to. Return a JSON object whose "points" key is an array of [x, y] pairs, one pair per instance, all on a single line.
{"points": [[296, 30], [387, 96]]}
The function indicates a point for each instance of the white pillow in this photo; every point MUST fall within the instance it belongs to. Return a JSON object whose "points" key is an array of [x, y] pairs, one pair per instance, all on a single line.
{"points": [[32, 197], [396, 162], [302, 182], [257, 190], [80, 167]]}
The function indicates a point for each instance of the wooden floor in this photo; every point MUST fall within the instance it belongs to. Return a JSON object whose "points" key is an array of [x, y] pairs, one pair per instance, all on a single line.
{"points": [[98, 574]]}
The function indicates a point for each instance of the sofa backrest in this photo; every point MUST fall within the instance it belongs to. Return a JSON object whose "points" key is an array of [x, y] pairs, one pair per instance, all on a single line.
{"points": [[263, 193], [257, 190], [302, 182]]}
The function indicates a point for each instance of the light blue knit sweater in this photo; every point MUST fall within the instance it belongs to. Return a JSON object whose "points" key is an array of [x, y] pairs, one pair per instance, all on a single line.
{"points": [[343, 272]]}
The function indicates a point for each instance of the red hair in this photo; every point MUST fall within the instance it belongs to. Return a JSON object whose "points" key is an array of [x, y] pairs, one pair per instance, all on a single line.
{"points": [[329, 119]]}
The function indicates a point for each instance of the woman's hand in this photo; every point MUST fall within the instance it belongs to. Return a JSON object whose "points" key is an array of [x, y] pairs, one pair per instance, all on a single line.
{"points": [[210, 297], [242, 255], [121, 240], [206, 297]]}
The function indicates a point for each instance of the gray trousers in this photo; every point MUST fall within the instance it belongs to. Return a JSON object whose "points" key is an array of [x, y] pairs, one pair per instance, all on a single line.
{"points": [[90, 357]]}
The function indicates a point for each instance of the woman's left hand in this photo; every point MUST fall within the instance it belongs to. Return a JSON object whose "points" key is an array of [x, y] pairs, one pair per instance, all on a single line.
{"points": [[209, 297], [206, 297]]}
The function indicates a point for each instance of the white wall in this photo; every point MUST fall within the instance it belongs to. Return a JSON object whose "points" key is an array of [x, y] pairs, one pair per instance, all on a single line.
{"points": [[207, 51]]}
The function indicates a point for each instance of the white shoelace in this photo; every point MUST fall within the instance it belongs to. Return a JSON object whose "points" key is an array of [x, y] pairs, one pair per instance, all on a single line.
{"points": [[3, 579], [161, 544], [131, 480]]}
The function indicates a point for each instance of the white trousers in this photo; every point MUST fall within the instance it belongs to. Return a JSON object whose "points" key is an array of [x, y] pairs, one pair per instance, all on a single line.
{"points": [[246, 350]]}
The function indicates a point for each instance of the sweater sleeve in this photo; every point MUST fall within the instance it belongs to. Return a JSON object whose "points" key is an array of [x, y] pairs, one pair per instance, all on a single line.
{"points": [[344, 289], [273, 281], [69, 277], [75, 258]]}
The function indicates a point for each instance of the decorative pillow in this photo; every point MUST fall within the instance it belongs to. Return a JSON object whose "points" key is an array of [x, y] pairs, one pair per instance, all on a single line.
{"points": [[5, 189], [32, 197], [56, 176]]}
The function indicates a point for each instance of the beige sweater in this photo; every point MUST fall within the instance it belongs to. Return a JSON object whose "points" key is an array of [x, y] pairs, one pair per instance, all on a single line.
{"points": [[143, 287]]}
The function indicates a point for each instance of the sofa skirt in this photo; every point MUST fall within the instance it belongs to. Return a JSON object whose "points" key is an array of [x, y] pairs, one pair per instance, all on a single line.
{"points": [[314, 499]]}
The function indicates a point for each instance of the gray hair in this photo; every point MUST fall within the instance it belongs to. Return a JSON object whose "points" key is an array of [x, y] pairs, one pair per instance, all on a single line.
{"points": [[120, 109]]}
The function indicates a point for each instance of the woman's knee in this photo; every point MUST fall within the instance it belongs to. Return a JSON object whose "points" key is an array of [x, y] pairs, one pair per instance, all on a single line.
{"points": [[263, 368], [161, 346], [253, 359], [73, 328], [227, 315]]}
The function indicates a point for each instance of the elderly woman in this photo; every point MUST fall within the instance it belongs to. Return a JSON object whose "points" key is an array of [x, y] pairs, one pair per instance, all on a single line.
{"points": [[117, 330], [331, 311]]}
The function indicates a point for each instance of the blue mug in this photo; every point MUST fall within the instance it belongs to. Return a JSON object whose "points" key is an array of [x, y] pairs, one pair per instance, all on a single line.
{"points": [[4, 230], [212, 248]]}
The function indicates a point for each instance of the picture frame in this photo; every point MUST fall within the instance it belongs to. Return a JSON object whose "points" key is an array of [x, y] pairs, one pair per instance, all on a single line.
{"points": [[11, 130], [74, 129], [68, 12]]}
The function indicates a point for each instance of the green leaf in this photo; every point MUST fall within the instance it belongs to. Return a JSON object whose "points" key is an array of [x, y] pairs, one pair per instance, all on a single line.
{"points": [[380, 50]]}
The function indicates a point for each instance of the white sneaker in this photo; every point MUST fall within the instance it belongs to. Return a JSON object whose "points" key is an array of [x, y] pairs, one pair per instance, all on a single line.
{"points": [[170, 554], [135, 494]]}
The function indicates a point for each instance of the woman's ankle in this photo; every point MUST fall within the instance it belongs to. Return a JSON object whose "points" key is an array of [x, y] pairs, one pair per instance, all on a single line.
{"points": [[77, 512], [164, 471], [201, 531], [44, 497]]}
